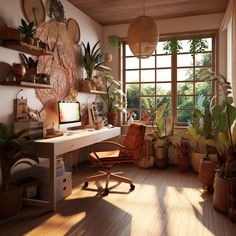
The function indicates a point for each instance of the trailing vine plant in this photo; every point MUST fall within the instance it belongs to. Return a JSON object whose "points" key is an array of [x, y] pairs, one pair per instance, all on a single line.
{"points": [[197, 44], [172, 45]]}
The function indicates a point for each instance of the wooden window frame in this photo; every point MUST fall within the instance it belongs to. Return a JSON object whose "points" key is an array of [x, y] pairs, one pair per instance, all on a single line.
{"points": [[181, 36]]}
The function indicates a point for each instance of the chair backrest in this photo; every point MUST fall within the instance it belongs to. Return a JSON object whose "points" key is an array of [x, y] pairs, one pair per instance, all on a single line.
{"points": [[134, 140]]}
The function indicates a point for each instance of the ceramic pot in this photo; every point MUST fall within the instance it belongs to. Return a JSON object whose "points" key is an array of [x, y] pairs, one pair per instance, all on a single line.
{"points": [[207, 172], [183, 163], [196, 159], [18, 71], [221, 194], [161, 158], [10, 201], [112, 118]]}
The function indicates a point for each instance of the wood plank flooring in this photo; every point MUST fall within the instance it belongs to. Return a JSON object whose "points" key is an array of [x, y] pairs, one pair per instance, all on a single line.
{"points": [[164, 202]]}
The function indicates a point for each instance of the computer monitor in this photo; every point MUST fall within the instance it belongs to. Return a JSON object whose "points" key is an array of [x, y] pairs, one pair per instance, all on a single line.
{"points": [[69, 115]]}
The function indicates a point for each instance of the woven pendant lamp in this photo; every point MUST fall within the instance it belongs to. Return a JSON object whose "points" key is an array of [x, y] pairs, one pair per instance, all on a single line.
{"points": [[143, 36]]}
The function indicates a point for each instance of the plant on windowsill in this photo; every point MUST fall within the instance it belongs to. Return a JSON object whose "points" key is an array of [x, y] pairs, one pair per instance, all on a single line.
{"points": [[112, 97], [13, 151], [163, 127]]}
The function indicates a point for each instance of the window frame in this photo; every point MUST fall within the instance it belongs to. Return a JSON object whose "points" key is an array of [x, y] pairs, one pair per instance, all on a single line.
{"points": [[214, 34]]}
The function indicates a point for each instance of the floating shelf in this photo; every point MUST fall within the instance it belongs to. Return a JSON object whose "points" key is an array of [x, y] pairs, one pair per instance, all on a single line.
{"points": [[28, 85], [26, 48], [102, 68]]}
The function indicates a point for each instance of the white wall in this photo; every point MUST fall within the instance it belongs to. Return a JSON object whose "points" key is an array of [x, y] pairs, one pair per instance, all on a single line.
{"points": [[11, 14], [177, 25]]}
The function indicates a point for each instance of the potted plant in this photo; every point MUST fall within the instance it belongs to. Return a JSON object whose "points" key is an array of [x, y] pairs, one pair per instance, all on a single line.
{"points": [[162, 130], [91, 59], [27, 30], [224, 140], [183, 157], [31, 67], [13, 151], [114, 44], [197, 131], [112, 97]]}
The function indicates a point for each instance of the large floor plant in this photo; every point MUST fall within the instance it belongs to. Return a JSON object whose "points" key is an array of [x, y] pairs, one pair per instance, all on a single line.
{"points": [[224, 140], [13, 151]]}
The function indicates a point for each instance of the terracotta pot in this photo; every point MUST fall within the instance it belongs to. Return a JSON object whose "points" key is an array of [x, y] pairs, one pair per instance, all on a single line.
{"points": [[221, 194], [183, 163], [112, 118], [10, 201], [196, 159], [161, 156], [232, 199], [18, 70], [207, 172]]}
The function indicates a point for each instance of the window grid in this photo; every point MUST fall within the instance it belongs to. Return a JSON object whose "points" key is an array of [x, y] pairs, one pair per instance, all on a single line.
{"points": [[174, 81]]}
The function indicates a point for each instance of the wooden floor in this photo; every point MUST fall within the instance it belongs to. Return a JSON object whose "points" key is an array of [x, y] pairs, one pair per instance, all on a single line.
{"points": [[164, 202]]}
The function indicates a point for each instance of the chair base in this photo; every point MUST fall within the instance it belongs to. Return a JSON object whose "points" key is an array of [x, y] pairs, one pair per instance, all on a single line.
{"points": [[109, 176]]}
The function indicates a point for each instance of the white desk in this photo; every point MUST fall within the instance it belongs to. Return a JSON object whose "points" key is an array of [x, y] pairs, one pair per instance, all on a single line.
{"points": [[51, 148]]}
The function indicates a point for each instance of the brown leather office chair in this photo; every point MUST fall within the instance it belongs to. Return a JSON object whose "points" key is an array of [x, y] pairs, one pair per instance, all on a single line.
{"points": [[127, 152]]}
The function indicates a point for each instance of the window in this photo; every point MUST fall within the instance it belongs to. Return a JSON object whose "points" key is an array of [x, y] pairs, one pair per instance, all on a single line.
{"points": [[168, 77]]}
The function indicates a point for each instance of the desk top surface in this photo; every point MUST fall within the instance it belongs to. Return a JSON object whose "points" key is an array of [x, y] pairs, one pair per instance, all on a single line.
{"points": [[78, 134]]}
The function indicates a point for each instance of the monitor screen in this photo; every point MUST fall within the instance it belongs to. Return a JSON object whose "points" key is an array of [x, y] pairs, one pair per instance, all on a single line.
{"points": [[69, 115]]}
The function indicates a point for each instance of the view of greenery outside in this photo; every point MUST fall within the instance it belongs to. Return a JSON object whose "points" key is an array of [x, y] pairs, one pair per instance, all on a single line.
{"points": [[155, 80]]}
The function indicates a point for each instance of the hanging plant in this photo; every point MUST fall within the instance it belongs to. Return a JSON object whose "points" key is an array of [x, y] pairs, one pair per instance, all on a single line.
{"points": [[172, 45], [198, 44], [113, 41]]}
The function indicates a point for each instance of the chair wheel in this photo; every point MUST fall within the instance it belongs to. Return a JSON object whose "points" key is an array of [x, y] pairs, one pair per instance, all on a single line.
{"points": [[85, 185], [106, 192], [132, 187]]}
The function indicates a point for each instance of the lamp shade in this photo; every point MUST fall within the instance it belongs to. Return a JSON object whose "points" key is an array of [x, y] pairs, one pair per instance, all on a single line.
{"points": [[143, 36]]}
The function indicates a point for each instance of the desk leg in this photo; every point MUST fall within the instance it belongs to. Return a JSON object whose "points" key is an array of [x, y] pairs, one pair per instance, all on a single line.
{"points": [[52, 183]]}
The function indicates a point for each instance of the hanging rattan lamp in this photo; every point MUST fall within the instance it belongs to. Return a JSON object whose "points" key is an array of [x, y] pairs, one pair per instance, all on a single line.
{"points": [[143, 36]]}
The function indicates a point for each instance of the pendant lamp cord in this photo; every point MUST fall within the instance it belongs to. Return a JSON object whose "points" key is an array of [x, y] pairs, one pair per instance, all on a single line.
{"points": [[144, 7]]}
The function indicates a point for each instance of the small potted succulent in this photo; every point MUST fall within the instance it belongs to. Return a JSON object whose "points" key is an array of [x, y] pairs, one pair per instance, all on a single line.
{"points": [[13, 151]]}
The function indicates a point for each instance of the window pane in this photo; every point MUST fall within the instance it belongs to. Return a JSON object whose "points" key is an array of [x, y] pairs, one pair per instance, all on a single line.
{"points": [[184, 102], [148, 62], [147, 102], [147, 89], [163, 88], [132, 89], [203, 59], [133, 102], [204, 88], [163, 75], [184, 116], [160, 48], [132, 76], [132, 63], [184, 74], [209, 43], [184, 60], [163, 61], [185, 45], [148, 76], [184, 88], [128, 51], [198, 70]]}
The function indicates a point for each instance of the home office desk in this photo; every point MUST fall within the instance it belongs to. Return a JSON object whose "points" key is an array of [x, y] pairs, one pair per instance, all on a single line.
{"points": [[51, 148]]}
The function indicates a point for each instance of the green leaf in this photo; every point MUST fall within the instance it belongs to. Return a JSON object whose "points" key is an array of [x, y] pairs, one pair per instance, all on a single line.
{"points": [[223, 138]]}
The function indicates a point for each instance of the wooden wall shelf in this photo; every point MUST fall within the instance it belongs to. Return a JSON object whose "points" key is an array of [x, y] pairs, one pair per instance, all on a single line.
{"points": [[26, 48], [28, 85], [94, 92], [103, 68]]}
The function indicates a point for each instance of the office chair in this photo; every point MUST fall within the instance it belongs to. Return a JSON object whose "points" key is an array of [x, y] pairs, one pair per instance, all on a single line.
{"points": [[127, 152]]}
